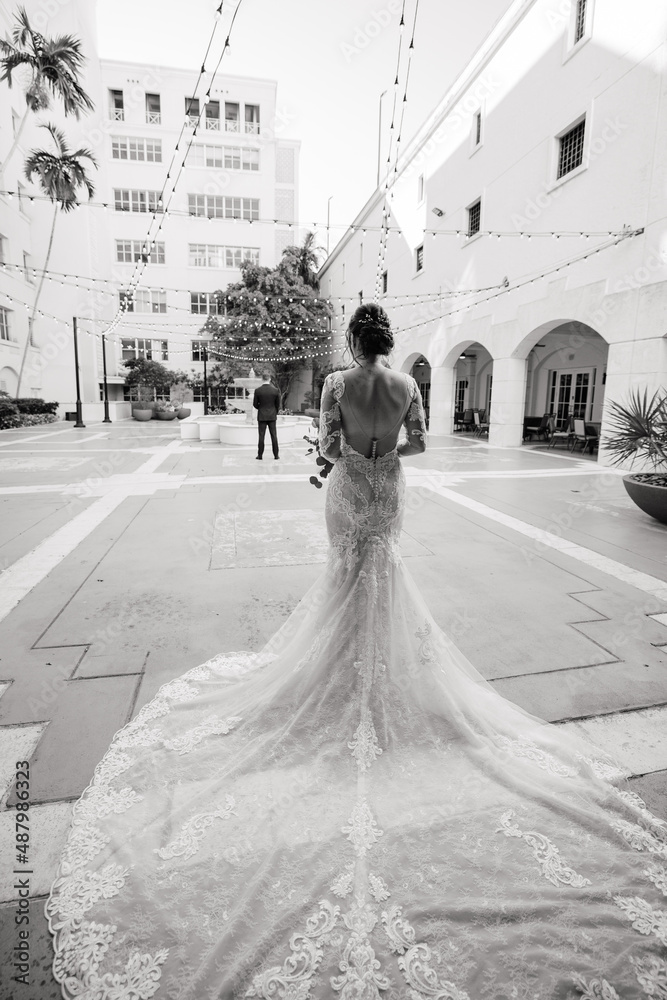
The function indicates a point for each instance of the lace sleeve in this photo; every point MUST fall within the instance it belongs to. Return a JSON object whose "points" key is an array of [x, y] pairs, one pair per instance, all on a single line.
{"points": [[415, 420], [329, 435]]}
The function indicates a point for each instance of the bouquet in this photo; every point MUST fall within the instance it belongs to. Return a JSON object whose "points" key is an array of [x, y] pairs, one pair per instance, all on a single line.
{"points": [[313, 439]]}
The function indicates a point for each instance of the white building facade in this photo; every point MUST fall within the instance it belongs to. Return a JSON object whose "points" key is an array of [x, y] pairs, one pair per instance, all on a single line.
{"points": [[234, 199], [557, 126]]}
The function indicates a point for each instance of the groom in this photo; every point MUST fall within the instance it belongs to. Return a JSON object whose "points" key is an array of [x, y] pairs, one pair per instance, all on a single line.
{"points": [[266, 401]]}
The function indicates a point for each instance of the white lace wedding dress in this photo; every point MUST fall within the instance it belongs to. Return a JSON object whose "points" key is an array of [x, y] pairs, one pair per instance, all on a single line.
{"points": [[354, 812]]}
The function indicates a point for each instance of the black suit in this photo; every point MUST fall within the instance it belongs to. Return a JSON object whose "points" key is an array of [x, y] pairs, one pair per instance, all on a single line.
{"points": [[266, 401]]}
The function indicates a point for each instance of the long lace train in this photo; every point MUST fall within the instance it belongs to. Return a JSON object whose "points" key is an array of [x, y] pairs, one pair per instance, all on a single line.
{"points": [[354, 812]]}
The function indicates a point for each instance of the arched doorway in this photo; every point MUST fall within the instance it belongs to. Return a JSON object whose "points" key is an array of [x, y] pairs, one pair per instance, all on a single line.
{"points": [[8, 380], [565, 375], [421, 372]]}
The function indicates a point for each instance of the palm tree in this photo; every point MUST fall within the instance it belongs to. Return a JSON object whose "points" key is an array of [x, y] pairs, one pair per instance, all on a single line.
{"points": [[304, 260], [54, 63], [59, 176]]}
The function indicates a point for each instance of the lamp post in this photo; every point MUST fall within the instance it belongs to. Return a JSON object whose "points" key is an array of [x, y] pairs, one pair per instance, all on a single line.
{"points": [[79, 421], [107, 418], [328, 217], [205, 382], [377, 183]]}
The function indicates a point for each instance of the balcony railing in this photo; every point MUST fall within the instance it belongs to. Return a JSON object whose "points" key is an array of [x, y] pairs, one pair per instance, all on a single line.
{"points": [[153, 118], [192, 120], [117, 114], [213, 124], [232, 125], [252, 128]]}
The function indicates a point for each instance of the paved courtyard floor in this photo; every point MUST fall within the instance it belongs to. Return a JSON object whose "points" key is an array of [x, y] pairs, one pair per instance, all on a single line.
{"points": [[128, 556]]}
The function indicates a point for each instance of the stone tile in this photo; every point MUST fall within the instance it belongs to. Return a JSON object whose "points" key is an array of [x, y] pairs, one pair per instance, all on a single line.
{"points": [[268, 538], [637, 739], [38, 676], [17, 743], [653, 790], [41, 984], [49, 823], [586, 691], [114, 661], [86, 716]]}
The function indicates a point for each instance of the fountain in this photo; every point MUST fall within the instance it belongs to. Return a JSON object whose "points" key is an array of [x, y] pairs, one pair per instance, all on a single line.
{"points": [[250, 382], [239, 428]]}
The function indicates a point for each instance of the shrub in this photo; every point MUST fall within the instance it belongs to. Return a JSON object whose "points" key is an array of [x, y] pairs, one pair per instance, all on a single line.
{"points": [[29, 419], [9, 415], [33, 404]]}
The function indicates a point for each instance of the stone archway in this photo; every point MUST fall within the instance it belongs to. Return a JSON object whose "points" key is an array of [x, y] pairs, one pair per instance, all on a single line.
{"points": [[566, 365], [8, 380]]}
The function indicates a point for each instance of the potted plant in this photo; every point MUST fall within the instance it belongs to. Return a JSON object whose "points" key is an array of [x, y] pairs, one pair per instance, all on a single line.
{"points": [[639, 431], [165, 410]]}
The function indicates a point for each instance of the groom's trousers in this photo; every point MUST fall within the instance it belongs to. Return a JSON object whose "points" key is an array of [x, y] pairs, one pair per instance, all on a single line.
{"points": [[261, 426]]}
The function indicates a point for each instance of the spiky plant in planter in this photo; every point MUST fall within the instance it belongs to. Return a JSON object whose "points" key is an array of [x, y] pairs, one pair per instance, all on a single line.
{"points": [[638, 430]]}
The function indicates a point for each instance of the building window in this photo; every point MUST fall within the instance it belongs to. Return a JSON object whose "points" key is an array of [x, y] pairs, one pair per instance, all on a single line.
{"points": [[124, 148], [4, 323], [136, 201], [231, 117], [209, 255], [571, 152], [150, 350], [384, 282], [20, 190], [129, 251], [579, 21], [3, 258], [343, 272], [252, 119], [206, 304], [28, 272], [116, 105], [419, 258], [198, 349], [230, 157], [478, 128], [216, 206], [192, 110], [420, 188], [474, 218], [213, 115], [143, 300], [153, 116]]}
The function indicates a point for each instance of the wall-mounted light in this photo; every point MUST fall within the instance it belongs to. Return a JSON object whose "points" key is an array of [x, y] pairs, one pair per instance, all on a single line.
{"points": [[438, 211]]}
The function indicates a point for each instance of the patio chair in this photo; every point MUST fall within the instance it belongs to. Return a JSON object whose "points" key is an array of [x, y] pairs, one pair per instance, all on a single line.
{"points": [[468, 421], [583, 437], [481, 426], [564, 434]]}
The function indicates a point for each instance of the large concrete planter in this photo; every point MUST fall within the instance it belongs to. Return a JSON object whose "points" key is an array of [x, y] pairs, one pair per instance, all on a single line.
{"points": [[142, 414], [649, 492], [165, 414], [183, 412]]}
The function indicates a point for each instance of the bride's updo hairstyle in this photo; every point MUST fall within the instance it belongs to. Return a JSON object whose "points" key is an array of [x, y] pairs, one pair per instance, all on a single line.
{"points": [[370, 326]]}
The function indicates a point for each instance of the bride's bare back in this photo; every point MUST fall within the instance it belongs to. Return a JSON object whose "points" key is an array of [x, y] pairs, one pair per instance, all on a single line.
{"points": [[374, 405]]}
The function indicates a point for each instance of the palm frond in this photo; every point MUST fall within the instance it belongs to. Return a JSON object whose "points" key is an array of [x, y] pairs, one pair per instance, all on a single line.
{"points": [[61, 174], [638, 428]]}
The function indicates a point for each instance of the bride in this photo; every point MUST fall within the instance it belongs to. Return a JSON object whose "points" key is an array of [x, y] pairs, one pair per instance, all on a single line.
{"points": [[353, 811]]}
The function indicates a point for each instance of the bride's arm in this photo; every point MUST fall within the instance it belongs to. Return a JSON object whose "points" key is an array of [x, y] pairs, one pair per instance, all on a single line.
{"points": [[415, 425], [329, 433]]}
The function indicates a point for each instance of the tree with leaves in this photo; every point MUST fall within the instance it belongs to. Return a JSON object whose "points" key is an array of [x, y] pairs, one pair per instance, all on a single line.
{"points": [[60, 176], [54, 65], [274, 318], [149, 377]]}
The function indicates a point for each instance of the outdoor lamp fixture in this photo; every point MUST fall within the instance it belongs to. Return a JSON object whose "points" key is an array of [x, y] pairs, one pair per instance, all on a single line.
{"points": [[438, 211]]}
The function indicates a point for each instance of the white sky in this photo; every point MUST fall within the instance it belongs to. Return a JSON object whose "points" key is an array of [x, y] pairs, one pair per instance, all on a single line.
{"points": [[331, 61]]}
